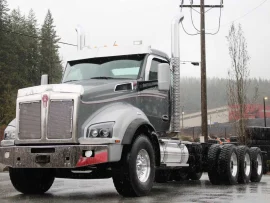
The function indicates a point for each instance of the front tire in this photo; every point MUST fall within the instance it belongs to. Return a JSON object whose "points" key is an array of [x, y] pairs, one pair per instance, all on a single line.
{"points": [[136, 172], [31, 181]]}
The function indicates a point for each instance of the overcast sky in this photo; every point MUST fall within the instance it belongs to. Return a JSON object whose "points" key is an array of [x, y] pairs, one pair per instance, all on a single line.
{"points": [[123, 21]]}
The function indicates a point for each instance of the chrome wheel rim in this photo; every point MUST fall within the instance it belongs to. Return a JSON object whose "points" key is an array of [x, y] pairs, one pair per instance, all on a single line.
{"points": [[143, 165], [247, 165], [234, 164], [259, 162]]}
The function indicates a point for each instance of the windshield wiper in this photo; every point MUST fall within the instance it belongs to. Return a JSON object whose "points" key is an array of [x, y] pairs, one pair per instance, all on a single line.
{"points": [[102, 77], [70, 81]]}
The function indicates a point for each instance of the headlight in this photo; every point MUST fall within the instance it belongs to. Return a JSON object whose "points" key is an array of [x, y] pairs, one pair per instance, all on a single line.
{"points": [[9, 135], [101, 130]]}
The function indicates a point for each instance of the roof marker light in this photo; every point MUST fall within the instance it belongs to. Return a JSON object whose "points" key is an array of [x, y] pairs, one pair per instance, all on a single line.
{"points": [[137, 42]]}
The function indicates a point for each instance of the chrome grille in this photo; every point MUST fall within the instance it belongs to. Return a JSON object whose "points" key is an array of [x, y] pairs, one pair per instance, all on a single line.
{"points": [[60, 119], [30, 120]]}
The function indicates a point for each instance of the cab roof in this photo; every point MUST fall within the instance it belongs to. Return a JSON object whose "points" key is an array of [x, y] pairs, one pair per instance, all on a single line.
{"points": [[115, 51]]}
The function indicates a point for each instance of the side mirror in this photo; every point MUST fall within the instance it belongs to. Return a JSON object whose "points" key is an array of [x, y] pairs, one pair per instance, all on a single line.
{"points": [[44, 80], [164, 76]]}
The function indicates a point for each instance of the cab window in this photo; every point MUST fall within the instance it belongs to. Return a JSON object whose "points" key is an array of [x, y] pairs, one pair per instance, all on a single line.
{"points": [[153, 73]]}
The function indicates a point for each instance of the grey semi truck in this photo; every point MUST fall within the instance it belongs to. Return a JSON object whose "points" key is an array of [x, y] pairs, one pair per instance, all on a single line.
{"points": [[114, 115]]}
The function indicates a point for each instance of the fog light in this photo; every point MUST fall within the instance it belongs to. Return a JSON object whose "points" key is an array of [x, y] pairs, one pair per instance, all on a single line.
{"points": [[94, 133], [7, 155], [88, 154]]}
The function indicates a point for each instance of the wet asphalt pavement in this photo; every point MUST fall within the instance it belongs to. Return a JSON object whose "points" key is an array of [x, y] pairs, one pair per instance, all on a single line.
{"points": [[82, 191]]}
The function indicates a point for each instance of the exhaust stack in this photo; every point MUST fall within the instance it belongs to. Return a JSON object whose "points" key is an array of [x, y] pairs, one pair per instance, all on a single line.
{"points": [[175, 65], [80, 37]]}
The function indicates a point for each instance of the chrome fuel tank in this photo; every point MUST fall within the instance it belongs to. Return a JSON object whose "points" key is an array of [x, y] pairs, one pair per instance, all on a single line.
{"points": [[173, 152]]}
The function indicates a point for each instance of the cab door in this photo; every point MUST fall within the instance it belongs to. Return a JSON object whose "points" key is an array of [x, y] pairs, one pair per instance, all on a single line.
{"points": [[153, 102]]}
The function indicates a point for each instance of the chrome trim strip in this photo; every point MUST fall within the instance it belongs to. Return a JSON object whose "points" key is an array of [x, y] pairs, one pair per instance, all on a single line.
{"points": [[163, 96]]}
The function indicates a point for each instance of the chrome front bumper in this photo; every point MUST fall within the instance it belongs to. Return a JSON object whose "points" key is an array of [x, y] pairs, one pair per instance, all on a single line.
{"points": [[58, 156]]}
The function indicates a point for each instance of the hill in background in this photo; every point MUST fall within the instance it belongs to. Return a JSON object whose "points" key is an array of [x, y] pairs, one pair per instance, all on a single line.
{"points": [[217, 92]]}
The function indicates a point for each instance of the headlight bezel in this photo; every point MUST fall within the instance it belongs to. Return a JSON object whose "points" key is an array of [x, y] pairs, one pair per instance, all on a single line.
{"points": [[9, 135], [100, 127]]}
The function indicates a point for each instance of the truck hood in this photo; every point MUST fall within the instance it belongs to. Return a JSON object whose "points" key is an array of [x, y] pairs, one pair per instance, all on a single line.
{"points": [[101, 89], [88, 89]]}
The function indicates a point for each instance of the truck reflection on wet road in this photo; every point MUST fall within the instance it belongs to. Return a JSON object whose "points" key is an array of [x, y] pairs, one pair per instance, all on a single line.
{"points": [[64, 190]]}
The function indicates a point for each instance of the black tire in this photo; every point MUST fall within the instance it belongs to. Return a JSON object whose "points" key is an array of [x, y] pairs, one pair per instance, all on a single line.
{"points": [[195, 176], [31, 181], [244, 173], [228, 176], [161, 176], [256, 173], [125, 176], [212, 162]]}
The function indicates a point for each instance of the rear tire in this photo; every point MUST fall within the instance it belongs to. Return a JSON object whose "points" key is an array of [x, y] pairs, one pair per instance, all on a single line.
{"points": [[257, 164], [212, 159], [31, 181], [134, 176], [228, 167], [244, 164]]}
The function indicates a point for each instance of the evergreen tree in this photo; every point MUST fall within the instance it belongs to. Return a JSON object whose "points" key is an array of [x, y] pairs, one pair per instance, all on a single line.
{"points": [[4, 58], [49, 57], [33, 71]]}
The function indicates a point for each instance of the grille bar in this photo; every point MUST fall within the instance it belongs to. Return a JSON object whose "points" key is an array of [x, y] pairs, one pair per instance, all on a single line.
{"points": [[30, 120], [60, 119]]}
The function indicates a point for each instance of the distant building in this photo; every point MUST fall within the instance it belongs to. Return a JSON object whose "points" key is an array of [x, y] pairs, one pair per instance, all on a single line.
{"points": [[225, 114], [252, 111], [217, 115]]}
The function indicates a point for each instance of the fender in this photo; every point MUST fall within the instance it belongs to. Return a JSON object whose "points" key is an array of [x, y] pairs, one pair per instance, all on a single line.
{"points": [[133, 127], [126, 117]]}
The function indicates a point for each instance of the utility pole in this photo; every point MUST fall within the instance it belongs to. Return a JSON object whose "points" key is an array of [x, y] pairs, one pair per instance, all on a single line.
{"points": [[203, 76], [202, 6]]}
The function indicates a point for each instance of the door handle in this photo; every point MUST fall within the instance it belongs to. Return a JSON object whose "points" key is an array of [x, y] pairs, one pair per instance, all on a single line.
{"points": [[165, 118]]}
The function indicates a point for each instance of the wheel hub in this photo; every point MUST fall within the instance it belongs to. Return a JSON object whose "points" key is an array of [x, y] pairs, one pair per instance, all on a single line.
{"points": [[234, 164], [259, 163], [247, 164], [143, 165]]}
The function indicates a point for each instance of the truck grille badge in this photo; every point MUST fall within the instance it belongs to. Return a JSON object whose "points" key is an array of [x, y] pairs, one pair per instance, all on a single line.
{"points": [[45, 99]]}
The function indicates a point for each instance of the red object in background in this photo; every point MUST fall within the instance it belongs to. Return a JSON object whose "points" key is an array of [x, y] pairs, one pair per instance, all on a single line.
{"points": [[252, 111], [101, 157]]}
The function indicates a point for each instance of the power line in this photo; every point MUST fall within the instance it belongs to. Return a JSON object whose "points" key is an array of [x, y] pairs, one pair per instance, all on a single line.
{"points": [[31, 36], [249, 12], [191, 8], [191, 34]]}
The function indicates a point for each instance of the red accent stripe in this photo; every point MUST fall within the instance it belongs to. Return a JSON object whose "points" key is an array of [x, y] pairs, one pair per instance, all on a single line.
{"points": [[102, 157]]}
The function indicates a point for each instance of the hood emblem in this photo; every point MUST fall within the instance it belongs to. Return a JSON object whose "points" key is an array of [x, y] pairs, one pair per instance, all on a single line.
{"points": [[45, 99]]}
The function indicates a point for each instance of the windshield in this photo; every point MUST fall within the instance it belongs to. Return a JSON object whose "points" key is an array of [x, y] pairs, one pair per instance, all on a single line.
{"points": [[116, 67]]}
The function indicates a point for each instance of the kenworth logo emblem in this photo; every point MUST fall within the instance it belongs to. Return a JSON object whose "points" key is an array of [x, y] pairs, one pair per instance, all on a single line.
{"points": [[45, 99]]}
